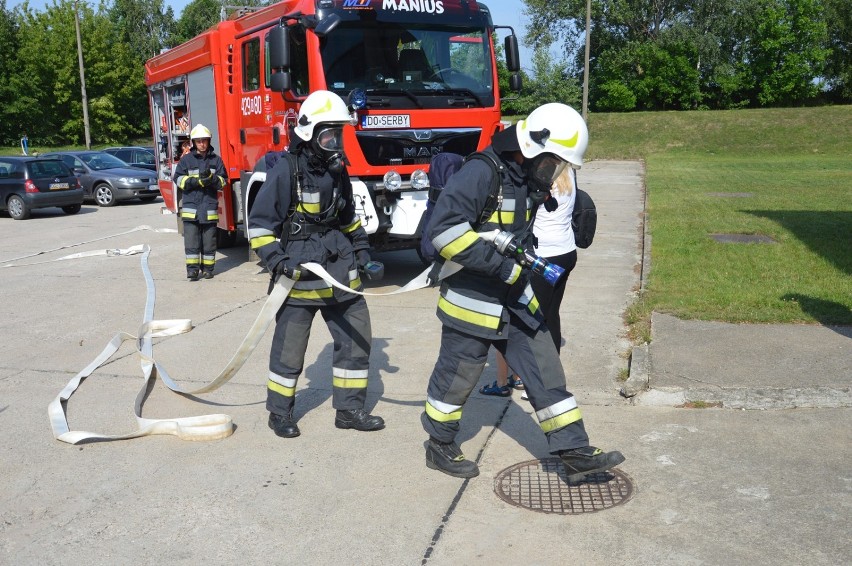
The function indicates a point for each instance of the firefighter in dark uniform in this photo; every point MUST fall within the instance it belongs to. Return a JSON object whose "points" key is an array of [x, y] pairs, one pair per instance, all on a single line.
{"points": [[199, 175], [308, 215], [490, 301]]}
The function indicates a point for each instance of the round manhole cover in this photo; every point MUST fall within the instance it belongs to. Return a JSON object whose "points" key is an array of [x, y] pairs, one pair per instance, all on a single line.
{"points": [[542, 485]]}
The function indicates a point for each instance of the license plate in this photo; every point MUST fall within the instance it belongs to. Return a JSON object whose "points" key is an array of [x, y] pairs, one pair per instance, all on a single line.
{"points": [[386, 121], [58, 186]]}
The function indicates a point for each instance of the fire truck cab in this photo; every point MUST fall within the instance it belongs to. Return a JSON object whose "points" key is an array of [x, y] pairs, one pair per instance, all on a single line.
{"points": [[422, 75]]}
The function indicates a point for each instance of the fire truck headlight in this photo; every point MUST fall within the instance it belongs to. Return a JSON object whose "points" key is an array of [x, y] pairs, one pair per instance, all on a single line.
{"points": [[419, 180], [392, 180]]}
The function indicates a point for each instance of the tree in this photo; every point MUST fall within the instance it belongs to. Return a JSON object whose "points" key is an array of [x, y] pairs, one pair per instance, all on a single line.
{"points": [[785, 54], [10, 130], [143, 24], [838, 69]]}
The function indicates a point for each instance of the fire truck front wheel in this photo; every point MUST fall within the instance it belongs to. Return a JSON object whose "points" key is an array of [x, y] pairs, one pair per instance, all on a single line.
{"points": [[225, 239]]}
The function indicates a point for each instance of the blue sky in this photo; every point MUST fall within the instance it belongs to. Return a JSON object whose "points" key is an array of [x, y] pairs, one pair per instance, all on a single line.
{"points": [[503, 12]]}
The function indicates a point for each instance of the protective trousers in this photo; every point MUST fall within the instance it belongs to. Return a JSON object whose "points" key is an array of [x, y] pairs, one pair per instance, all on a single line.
{"points": [[199, 242], [532, 355], [349, 325]]}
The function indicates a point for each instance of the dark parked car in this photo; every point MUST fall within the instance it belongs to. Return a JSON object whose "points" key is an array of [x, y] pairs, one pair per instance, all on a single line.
{"points": [[108, 179], [32, 182], [141, 157]]}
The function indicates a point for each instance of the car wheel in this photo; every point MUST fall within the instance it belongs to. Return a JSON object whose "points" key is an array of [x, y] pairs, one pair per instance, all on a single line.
{"points": [[72, 208], [148, 199], [18, 209], [104, 195]]}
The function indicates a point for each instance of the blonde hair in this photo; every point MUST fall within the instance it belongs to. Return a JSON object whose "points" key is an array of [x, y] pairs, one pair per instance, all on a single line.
{"points": [[564, 183]]}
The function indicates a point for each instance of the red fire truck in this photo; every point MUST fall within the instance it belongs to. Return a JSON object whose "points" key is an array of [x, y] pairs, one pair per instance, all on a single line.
{"points": [[422, 73]]}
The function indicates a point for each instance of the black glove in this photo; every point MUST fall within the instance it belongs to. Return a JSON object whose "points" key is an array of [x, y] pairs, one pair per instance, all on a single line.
{"points": [[207, 179], [191, 183], [282, 268], [362, 257], [433, 278]]}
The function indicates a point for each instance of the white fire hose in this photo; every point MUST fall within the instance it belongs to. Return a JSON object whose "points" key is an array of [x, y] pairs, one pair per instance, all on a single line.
{"points": [[203, 427]]}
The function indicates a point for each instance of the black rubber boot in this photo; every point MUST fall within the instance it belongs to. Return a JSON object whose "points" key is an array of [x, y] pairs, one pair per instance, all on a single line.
{"points": [[192, 275], [359, 419], [207, 275], [586, 460], [284, 425], [447, 457]]}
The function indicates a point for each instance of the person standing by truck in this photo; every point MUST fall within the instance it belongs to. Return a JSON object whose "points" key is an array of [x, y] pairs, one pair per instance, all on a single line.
{"points": [[491, 302], [305, 212], [199, 175]]}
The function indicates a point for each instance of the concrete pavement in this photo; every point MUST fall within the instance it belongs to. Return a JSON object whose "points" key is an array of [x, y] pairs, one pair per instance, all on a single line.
{"points": [[710, 486]]}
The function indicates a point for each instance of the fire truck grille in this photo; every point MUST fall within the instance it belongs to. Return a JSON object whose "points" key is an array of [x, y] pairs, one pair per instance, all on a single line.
{"points": [[415, 147]]}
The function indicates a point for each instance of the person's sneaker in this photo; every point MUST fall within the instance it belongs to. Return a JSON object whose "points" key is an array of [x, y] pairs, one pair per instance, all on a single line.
{"points": [[192, 275], [586, 460], [447, 457], [283, 425], [359, 419], [207, 275]]}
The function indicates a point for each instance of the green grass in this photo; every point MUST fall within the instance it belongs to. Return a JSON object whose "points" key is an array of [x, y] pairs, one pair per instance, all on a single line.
{"points": [[797, 166]]}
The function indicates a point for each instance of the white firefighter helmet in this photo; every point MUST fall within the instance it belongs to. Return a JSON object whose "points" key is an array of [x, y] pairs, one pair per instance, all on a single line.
{"points": [[199, 131], [320, 107], [554, 128]]}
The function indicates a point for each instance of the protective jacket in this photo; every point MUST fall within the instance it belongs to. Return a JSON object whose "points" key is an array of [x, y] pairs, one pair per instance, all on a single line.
{"points": [[477, 299], [200, 177], [313, 221]]}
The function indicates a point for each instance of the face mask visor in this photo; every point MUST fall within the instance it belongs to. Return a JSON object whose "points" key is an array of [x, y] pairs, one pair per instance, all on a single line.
{"points": [[329, 140], [546, 168]]}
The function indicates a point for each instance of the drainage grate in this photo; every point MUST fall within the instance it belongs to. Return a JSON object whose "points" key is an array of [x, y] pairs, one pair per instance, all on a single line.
{"points": [[742, 239], [542, 485]]}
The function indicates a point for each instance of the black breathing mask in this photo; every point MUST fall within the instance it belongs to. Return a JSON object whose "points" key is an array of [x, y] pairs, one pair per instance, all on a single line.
{"points": [[327, 144], [542, 171]]}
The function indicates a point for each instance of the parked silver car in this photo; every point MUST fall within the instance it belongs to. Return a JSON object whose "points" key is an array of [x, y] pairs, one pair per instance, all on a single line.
{"points": [[141, 157], [107, 179]]}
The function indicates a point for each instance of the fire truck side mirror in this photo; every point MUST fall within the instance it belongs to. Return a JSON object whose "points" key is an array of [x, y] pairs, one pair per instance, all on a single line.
{"points": [[513, 58], [279, 48], [515, 82], [325, 25], [280, 81]]}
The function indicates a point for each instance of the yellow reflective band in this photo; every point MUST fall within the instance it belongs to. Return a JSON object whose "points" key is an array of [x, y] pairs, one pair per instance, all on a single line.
{"points": [[437, 415], [570, 142], [355, 283], [209, 262], [312, 294], [261, 241], [533, 306], [459, 244], [280, 389], [187, 214], [467, 315], [212, 217], [352, 227], [192, 261], [561, 421], [310, 207], [349, 383]]}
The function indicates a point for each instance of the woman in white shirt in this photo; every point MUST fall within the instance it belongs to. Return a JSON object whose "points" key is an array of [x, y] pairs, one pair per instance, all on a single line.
{"points": [[555, 243]]}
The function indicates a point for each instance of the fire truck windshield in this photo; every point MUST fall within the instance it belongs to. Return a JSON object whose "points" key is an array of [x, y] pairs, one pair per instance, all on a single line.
{"points": [[410, 66]]}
